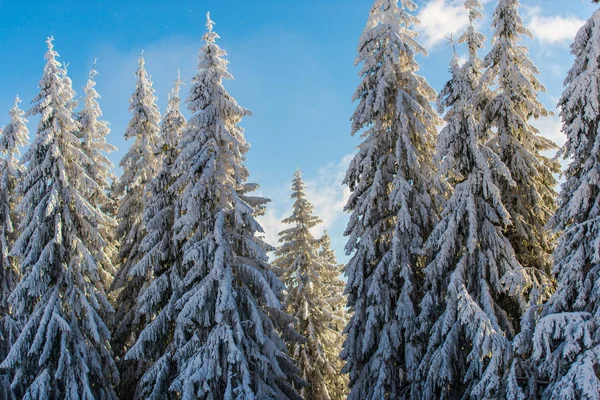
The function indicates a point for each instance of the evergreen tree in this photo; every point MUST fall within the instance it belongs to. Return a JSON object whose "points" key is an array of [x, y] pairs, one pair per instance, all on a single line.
{"points": [[140, 165], [160, 262], [14, 135], [475, 288], [63, 351], [226, 341], [392, 204], [302, 266], [99, 168], [566, 342], [518, 143], [333, 293], [531, 202]]}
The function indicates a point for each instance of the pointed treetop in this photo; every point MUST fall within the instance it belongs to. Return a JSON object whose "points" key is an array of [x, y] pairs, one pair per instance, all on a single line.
{"points": [[177, 85], [49, 41], [173, 97], [209, 22], [474, 40], [15, 111], [93, 71], [16, 105], [474, 7], [51, 54], [298, 185], [15, 134], [209, 36], [141, 60]]}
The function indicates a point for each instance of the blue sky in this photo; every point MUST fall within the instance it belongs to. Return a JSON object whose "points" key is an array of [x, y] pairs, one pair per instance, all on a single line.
{"points": [[292, 63]]}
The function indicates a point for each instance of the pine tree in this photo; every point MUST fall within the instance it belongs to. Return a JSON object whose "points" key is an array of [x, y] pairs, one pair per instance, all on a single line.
{"points": [[518, 143], [333, 293], [140, 165], [475, 288], [392, 204], [298, 257], [161, 262], [63, 350], [99, 168], [227, 344], [566, 341], [14, 135]]}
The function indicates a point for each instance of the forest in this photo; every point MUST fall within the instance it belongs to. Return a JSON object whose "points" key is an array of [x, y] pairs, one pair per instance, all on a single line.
{"points": [[474, 257]]}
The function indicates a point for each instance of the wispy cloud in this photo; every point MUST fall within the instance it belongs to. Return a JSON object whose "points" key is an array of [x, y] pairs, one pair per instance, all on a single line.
{"points": [[440, 19], [552, 29]]}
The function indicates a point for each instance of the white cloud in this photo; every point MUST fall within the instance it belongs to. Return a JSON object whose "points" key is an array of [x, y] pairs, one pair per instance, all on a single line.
{"points": [[550, 127], [325, 191], [552, 29], [440, 19]]}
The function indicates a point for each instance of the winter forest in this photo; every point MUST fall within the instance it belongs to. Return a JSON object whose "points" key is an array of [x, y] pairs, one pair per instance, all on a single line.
{"points": [[473, 267]]}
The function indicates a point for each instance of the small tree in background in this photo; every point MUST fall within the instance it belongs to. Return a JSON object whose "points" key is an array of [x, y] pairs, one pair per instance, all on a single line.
{"points": [[308, 299], [333, 293]]}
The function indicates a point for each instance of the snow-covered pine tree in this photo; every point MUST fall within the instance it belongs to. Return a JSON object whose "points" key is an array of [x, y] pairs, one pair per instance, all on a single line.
{"points": [[99, 168], [474, 286], [13, 136], [140, 165], [392, 204], [519, 144], [161, 262], [227, 344], [301, 264], [333, 293], [63, 351], [566, 342]]}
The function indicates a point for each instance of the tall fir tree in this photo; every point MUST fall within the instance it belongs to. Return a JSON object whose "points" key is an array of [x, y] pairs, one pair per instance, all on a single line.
{"points": [[475, 288], [13, 136], [532, 201], [519, 144], [333, 293], [140, 165], [161, 262], [566, 341], [302, 267], [392, 204], [99, 168], [63, 350], [227, 344]]}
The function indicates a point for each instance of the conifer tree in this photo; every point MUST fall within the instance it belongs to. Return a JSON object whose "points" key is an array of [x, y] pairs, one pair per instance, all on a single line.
{"points": [[518, 143], [302, 268], [13, 136], [392, 204], [475, 288], [99, 168], [226, 341], [63, 351], [566, 341], [160, 262], [333, 293], [140, 165]]}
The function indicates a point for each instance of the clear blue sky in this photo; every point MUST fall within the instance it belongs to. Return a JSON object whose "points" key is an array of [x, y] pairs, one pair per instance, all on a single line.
{"points": [[292, 63]]}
